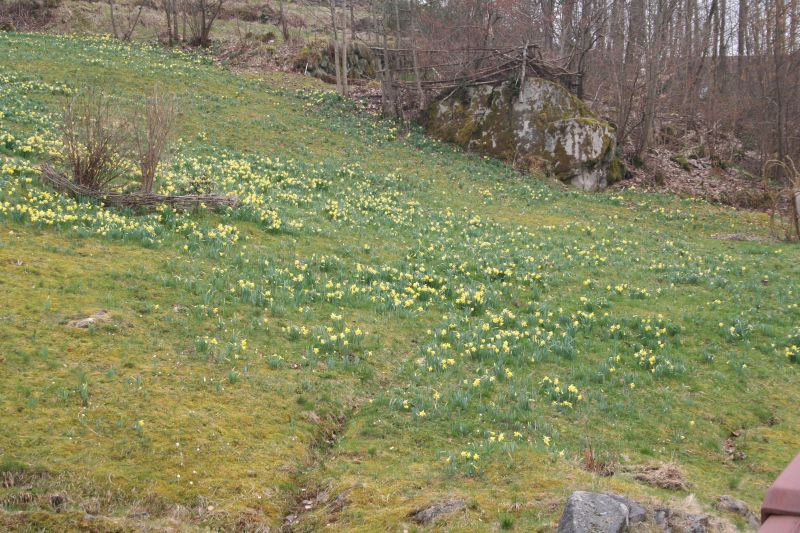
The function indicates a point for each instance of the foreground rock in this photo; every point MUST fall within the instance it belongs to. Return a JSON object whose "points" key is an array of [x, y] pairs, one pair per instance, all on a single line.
{"points": [[433, 512], [540, 125], [736, 506], [592, 512]]}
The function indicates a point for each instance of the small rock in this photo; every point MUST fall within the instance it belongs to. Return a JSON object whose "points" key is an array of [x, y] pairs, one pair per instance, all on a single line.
{"points": [[433, 512], [661, 518], [339, 502], [695, 523], [252, 473], [592, 512], [100, 316], [736, 506], [57, 501], [139, 516]]}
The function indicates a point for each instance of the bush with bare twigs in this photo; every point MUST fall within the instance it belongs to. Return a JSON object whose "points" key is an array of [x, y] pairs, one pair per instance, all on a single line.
{"points": [[96, 143], [152, 129], [784, 210], [101, 148], [26, 15]]}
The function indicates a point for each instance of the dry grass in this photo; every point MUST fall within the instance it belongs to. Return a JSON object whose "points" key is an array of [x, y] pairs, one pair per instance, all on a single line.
{"points": [[662, 475]]}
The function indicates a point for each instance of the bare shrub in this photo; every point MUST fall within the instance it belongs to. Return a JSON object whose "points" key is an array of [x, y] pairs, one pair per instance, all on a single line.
{"points": [[784, 209], [200, 16], [152, 131], [26, 15], [95, 142]]}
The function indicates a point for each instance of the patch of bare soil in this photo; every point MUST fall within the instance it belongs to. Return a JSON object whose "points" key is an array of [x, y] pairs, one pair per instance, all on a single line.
{"points": [[729, 445]]}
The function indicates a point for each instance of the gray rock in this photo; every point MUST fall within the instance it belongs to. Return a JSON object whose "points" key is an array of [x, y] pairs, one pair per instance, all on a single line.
{"points": [[736, 506], [435, 511], [636, 513], [57, 501], [592, 512], [539, 125], [695, 523], [661, 518]]}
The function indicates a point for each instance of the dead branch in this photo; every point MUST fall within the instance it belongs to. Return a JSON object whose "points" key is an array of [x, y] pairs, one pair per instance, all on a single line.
{"points": [[61, 183]]}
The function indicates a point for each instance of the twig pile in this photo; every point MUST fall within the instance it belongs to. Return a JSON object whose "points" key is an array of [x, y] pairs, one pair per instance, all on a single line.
{"points": [[459, 68], [61, 183]]}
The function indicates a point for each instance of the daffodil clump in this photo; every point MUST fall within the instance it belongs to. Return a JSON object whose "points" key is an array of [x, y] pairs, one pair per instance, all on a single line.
{"points": [[339, 340], [792, 346]]}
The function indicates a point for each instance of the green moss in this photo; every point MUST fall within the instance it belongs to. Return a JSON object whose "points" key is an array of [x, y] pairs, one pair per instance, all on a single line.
{"points": [[681, 161], [616, 171]]}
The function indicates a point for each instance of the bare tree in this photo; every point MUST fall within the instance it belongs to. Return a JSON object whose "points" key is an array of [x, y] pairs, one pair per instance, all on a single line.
{"points": [[132, 21]]}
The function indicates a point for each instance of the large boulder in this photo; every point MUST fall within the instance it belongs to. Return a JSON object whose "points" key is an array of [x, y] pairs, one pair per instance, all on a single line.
{"points": [[538, 124]]}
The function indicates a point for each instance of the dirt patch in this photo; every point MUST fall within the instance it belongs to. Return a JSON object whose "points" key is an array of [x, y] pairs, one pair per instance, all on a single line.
{"points": [[742, 237], [729, 445], [308, 501]]}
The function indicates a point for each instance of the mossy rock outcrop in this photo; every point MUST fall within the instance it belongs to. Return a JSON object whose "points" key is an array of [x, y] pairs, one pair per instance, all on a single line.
{"points": [[317, 59], [540, 124]]}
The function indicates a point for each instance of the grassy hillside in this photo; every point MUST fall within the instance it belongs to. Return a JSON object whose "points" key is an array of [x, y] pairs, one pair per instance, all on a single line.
{"points": [[384, 322]]}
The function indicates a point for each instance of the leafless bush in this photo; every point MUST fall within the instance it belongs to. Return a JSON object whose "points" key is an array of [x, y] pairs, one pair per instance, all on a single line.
{"points": [[125, 32], [26, 15], [785, 198], [100, 147], [95, 142], [152, 130], [200, 16]]}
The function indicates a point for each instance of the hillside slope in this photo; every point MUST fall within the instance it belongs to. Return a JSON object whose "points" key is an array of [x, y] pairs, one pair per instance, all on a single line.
{"points": [[385, 322]]}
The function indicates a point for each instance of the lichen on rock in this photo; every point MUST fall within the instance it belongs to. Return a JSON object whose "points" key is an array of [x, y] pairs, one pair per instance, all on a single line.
{"points": [[538, 124]]}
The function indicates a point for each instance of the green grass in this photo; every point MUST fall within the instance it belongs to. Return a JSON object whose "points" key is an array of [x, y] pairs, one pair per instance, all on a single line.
{"points": [[379, 310]]}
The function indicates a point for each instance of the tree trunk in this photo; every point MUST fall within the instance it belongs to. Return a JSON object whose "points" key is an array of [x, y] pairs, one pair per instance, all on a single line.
{"points": [[284, 27], [175, 35], [168, 12], [113, 19], [343, 53], [336, 47], [417, 77], [387, 92], [741, 38]]}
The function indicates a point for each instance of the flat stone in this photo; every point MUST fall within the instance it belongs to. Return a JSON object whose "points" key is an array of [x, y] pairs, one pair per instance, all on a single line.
{"points": [[98, 317], [437, 510]]}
